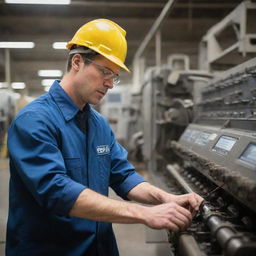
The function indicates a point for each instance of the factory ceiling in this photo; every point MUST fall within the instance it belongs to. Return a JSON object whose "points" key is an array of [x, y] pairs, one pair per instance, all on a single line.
{"points": [[181, 31]]}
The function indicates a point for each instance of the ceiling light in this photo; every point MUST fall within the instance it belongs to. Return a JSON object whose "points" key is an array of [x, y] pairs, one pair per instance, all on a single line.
{"points": [[17, 44], [3, 85], [59, 45], [47, 82], [18, 85], [62, 2], [50, 73]]}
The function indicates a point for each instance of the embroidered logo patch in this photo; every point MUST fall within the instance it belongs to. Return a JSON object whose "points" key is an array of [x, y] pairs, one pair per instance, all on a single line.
{"points": [[103, 149]]}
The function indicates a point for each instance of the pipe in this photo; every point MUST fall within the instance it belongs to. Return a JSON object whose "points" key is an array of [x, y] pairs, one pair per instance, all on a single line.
{"points": [[188, 246], [8, 69], [154, 28], [179, 178], [158, 48]]}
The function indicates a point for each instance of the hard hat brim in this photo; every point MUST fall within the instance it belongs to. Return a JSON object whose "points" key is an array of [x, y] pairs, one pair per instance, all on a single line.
{"points": [[109, 57]]}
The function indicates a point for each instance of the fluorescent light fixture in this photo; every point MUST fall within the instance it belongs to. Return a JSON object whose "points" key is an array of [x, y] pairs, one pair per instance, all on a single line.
{"points": [[17, 44], [49, 73], [47, 82], [3, 85], [60, 2], [18, 85], [59, 45]]}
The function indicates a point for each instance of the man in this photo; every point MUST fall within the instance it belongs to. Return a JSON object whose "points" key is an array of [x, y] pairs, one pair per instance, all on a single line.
{"points": [[64, 156]]}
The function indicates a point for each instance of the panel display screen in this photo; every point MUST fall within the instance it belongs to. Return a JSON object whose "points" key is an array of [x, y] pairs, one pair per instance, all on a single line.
{"points": [[224, 144], [186, 135], [190, 135], [249, 155], [203, 138]]}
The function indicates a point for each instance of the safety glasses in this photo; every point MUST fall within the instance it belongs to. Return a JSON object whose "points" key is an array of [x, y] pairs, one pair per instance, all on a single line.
{"points": [[106, 72]]}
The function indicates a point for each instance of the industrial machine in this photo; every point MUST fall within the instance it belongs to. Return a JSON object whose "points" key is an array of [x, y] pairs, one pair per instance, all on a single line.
{"points": [[231, 41], [210, 149], [163, 107]]}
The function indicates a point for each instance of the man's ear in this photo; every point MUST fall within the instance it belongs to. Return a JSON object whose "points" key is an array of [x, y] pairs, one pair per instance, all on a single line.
{"points": [[77, 60]]}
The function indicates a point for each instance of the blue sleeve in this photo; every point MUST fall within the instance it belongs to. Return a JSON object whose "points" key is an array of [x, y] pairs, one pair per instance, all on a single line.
{"points": [[123, 176], [34, 151]]}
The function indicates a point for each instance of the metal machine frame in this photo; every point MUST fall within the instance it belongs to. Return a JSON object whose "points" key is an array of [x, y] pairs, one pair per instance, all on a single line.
{"points": [[213, 50]]}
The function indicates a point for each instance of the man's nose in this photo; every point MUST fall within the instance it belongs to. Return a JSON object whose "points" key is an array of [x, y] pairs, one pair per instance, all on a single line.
{"points": [[108, 83]]}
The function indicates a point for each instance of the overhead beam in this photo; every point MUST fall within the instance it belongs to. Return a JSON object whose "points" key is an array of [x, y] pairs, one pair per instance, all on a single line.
{"points": [[129, 4], [61, 29]]}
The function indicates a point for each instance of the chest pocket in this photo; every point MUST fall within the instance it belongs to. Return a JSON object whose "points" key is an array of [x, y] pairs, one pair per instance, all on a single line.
{"points": [[74, 169]]}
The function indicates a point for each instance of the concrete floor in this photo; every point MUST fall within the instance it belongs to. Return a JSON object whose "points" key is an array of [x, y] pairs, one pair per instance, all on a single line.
{"points": [[131, 239]]}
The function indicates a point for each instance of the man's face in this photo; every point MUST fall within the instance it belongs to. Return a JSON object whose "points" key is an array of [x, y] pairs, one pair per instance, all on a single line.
{"points": [[91, 83]]}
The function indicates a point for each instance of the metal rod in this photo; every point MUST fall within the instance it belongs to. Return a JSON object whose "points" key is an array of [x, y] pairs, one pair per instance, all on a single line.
{"points": [[179, 178], [8, 68], [154, 28], [158, 48], [188, 246]]}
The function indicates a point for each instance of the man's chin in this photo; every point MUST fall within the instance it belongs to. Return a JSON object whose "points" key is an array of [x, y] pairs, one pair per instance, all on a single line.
{"points": [[95, 102]]}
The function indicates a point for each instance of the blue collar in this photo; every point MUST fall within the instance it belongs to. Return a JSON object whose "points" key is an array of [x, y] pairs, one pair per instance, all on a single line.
{"points": [[66, 105]]}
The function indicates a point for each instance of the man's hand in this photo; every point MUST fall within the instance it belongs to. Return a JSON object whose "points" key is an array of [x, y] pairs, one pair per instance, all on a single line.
{"points": [[149, 194], [171, 211], [190, 201], [169, 215]]}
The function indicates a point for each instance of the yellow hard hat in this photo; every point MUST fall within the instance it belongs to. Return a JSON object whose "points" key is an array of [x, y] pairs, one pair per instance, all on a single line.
{"points": [[105, 37]]}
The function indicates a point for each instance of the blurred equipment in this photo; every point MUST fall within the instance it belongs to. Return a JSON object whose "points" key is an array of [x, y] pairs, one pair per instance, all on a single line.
{"points": [[164, 108], [116, 109], [231, 41]]}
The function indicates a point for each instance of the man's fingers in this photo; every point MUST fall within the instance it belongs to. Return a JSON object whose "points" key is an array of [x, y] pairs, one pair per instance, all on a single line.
{"points": [[169, 215], [181, 217], [179, 220], [194, 201], [173, 227], [185, 212]]}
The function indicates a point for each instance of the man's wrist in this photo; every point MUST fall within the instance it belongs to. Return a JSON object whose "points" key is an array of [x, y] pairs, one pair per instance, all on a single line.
{"points": [[138, 213], [166, 197]]}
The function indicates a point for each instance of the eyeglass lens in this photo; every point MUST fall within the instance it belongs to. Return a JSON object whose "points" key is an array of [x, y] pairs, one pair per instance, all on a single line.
{"points": [[107, 73]]}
